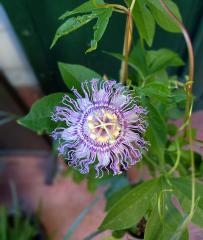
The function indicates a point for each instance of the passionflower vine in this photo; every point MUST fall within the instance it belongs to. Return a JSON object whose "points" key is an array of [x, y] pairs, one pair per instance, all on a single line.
{"points": [[104, 127]]}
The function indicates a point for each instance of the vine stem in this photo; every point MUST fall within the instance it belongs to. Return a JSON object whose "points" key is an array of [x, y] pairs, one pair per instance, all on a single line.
{"points": [[189, 103], [132, 5], [117, 7], [127, 44], [189, 82], [177, 159]]}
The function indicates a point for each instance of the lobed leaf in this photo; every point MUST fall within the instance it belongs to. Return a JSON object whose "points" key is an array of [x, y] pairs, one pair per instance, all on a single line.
{"points": [[86, 7], [90, 11], [162, 59], [100, 27], [71, 25]]}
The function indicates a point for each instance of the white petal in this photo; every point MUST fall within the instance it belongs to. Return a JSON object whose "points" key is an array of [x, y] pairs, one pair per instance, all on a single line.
{"points": [[103, 158], [119, 100], [131, 115], [99, 95], [83, 103], [69, 134], [81, 151]]}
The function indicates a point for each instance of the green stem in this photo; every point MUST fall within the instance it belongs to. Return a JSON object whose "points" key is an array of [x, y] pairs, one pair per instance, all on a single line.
{"points": [[115, 6], [193, 172], [189, 103], [127, 37], [189, 82], [177, 159], [126, 49], [132, 5], [127, 44]]}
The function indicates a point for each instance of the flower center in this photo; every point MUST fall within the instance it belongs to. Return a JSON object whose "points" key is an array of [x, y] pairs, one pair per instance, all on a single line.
{"points": [[103, 126]]}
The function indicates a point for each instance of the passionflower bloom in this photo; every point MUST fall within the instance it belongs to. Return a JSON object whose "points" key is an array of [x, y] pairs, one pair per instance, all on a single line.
{"points": [[103, 126]]}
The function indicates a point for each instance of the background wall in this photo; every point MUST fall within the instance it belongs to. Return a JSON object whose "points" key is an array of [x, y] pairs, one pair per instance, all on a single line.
{"points": [[35, 22]]}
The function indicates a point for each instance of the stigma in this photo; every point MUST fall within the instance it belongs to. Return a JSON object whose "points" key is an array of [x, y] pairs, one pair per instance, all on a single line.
{"points": [[103, 126]]}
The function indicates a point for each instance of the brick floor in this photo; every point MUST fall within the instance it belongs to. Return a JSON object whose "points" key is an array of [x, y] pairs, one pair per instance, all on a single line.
{"points": [[64, 200], [61, 202]]}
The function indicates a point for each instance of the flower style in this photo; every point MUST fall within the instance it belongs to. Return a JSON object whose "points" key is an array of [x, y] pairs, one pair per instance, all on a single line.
{"points": [[105, 127]]}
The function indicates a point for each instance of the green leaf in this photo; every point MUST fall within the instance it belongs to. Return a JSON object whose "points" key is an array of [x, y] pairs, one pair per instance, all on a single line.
{"points": [[178, 95], [183, 187], [144, 22], [198, 213], [131, 207], [172, 129], [39, 117], [162, 59], [164, 226], [131, 61], [100, 27], [86, 7], [156, 90], [115, 184], [117, 195], [156, 132], [119, 234], [160, 76], [90, 11], [137, 60], [71, 25], [73, 75], [161, 16], [3, 223]]}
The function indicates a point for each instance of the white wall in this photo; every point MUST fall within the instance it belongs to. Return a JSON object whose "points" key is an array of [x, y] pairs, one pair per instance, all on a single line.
{"points": [[13, 61]]}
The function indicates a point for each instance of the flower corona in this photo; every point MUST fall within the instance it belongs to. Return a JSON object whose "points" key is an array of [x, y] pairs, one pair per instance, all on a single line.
{"points": [[103, 126]]}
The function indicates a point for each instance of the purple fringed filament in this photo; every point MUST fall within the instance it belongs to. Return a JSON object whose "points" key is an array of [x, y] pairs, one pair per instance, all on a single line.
{"points": [[104, 127]]}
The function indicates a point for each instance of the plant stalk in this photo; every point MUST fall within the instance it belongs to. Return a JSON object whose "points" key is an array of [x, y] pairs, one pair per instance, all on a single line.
{"points": [[127, 44], [115, 6], [189, 103], [190, 80]]}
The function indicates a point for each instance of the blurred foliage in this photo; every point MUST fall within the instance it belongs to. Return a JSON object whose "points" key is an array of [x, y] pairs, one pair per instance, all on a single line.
{"points": [[16, 224]]}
